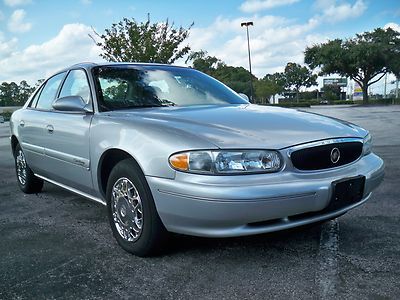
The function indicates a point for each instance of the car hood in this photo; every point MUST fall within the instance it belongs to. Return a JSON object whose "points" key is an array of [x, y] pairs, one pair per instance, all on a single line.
{"points": [[246, 126]]}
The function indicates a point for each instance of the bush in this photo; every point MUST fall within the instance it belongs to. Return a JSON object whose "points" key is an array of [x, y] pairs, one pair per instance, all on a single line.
{"points": [[307, 103], [386, 101], [339, 102], [7, 115], [290, 104], [314, 102], [307, 95]]}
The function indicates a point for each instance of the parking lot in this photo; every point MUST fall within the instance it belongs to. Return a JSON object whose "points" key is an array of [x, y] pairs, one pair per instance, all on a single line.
{"points": [[59, 245]]}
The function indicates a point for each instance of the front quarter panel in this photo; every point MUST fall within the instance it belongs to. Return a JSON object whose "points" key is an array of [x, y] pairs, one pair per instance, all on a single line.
{"points": [[148, 142], [14, 120]]}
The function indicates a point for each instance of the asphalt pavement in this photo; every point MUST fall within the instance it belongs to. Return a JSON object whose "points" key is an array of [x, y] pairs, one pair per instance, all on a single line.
{"points": [[59, 245]]}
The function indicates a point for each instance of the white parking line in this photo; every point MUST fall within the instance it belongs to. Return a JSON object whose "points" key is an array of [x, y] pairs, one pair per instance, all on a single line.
{"points": [[327, 276]]}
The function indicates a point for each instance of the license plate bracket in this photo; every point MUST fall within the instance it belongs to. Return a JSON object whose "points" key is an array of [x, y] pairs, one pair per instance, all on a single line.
{"points": [[346, 191]]}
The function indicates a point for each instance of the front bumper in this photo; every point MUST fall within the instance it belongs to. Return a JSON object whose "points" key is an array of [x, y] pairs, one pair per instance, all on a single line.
{"points": [[225, 206]]}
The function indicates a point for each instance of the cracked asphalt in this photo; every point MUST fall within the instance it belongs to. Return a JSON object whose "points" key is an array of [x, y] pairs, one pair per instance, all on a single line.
{"points": [[59, 245]]}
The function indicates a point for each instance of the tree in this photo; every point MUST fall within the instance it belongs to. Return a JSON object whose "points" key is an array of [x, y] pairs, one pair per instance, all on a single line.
{"points": [[331, 92], [12, 94], [237, 78], [25, 90], [203, 62], [297, 77], [234, 77], [129, 40], [9, 93], [269, 86], [365, 58], [39, 82]]}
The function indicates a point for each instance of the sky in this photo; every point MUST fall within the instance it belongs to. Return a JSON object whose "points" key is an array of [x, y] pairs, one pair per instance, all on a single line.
{"points": [[38, 37]]}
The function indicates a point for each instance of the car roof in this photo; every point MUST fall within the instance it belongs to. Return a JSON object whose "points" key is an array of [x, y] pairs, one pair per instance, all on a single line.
{"points": [[90, 65]]}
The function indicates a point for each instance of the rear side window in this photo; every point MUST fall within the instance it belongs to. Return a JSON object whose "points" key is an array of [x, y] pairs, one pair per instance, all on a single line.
{"points": [[49, 92], [35, 98], [76, 84]]}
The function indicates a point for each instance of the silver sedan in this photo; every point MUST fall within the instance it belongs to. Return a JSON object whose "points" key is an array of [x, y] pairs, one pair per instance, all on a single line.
{"points": [[170, 149]]}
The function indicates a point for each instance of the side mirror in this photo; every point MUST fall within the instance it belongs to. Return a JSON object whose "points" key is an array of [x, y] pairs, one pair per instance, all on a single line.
{"points": [[244, 96], [71, 104]]}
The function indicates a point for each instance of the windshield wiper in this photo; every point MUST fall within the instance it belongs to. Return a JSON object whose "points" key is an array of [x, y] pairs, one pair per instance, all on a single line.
{"points": [[166, 102], [142, 106]]}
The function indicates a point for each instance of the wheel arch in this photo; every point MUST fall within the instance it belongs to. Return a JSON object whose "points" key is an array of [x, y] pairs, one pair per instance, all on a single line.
{"points": [[14, 143], [107, 161]]}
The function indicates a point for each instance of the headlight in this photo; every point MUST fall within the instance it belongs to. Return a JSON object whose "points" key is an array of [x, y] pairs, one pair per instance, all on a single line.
{"points": [[226, 162], [367, 144]]}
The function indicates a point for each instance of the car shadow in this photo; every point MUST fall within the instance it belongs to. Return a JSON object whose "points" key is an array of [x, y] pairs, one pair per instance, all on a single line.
{"points": [[281, 240], [286, 240]]}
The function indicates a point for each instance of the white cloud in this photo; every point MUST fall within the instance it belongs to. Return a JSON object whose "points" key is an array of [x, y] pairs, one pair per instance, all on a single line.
{"points": [[394, 26], [13, 3], [251, 6], [333, 12], [7, 47], [71, 45], [323, 4], [86, 2], [16, 22], [1, 16], [223, 29], [274, 41]]}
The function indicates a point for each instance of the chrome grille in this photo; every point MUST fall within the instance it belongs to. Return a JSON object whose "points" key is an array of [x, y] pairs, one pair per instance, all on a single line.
{"points": [[324, 155]]}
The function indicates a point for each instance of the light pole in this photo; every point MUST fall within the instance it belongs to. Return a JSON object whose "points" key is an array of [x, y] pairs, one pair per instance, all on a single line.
{"points": [[247, 24], [384, 90]]}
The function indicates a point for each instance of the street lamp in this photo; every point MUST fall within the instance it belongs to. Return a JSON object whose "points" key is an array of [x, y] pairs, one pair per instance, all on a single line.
{"points": [[247, 24]]}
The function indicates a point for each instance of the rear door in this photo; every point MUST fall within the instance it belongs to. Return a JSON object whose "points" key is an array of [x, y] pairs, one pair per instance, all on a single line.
{"points": [[31, 126], [67, 137]]}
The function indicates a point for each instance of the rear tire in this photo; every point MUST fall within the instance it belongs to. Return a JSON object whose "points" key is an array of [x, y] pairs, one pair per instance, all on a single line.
{"points": [[27, 181], [133, 217]]}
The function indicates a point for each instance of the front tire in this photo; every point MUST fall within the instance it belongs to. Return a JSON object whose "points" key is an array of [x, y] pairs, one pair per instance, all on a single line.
{"points": [[27, 181], [133, 217]]}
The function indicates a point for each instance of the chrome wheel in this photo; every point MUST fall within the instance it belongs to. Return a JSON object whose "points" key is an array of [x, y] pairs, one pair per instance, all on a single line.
{"points": [[126, 207], [21, 167]]}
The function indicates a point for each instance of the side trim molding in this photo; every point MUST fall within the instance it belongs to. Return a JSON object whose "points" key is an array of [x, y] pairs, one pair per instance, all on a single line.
{"points": [[76, 160], [33, 148], [73, 190]]}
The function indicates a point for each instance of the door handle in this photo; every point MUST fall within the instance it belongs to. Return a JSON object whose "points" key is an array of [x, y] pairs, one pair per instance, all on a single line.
{"points": [[22, 123], [50, 128]]}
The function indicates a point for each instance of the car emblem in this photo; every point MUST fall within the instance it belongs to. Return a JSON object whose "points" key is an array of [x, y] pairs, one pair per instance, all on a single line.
{"points": [[335, 155]]}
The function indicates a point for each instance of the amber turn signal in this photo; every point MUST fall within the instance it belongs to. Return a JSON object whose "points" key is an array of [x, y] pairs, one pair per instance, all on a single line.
{"points": [[180, 161]]}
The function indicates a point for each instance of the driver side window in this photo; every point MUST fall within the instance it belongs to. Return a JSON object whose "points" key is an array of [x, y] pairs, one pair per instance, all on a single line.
{"points": [[76, 84], [49, 91]]}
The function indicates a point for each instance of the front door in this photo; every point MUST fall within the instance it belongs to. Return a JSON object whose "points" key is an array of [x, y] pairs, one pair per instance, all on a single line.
{"points": [[68, 138]]}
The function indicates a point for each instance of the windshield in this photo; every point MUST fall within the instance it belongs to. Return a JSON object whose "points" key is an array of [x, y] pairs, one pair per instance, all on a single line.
{"points": [[132, 86]]}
